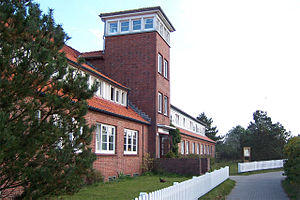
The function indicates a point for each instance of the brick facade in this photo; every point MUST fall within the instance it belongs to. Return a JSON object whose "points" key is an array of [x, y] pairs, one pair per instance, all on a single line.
{"points": [[111, 165], [132, 60]]}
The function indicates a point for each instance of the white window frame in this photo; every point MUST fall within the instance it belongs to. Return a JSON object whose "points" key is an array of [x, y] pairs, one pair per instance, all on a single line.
{"points": [[201, 149], [160, 102], [112, 93], [135, 20], [166, 105], [159, 63], [166, 68], [127, 134], [99, 135], [197, 148], [187, 147], [193, 148], [182, 147], [109, 27], [145, 23], [121, 26]]}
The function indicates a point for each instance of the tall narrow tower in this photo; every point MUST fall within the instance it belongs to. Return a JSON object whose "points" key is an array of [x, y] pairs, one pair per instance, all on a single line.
{"points": [[137, 54]]}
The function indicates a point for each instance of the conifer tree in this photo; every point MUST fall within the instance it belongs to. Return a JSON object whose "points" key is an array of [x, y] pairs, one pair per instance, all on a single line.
{"points": [[210, 130], [44, 137]]}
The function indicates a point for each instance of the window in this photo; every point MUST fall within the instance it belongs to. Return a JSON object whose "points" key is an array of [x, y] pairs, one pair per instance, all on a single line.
{"points": [[183, 122], [112, 93], [38, 115], [197, 149], [113, 27], [182, 147], [176, 119], [187, 148], [165, 105], [124, 26], [130, 141], [207, 149], [105, 139], [149, 23], [165, 68], [159, 64], [193, 148], [159, 102], [117, 96], [201, 149], [123, 98], [136, 24]]}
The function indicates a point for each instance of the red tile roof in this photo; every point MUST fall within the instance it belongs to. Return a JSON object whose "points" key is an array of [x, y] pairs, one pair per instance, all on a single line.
{"points": [[106, 106], [196, 135], [73, 54], [91, 54]]}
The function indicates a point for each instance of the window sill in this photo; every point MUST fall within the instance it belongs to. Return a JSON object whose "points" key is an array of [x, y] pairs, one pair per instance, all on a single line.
{"points": [[131, 155], [106, 154]]}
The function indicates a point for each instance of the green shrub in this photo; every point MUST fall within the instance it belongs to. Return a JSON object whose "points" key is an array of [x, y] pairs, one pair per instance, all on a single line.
{"points": [[170, 154], [292, 164], [94, 176]]}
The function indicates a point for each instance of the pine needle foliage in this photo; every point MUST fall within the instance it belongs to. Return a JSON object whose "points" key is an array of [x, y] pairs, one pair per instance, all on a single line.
{"points": [[44, 137]]}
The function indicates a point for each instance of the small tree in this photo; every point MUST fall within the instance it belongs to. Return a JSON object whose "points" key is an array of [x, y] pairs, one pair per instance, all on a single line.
{"points": [[44, 137]]}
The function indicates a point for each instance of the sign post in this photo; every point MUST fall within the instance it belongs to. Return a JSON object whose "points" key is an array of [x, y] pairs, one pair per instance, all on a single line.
{"points": [[247, 154]]}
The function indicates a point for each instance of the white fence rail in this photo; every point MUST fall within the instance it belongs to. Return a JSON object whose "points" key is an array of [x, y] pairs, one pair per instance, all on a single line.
{"points": [[259, 165], [190, 189]]}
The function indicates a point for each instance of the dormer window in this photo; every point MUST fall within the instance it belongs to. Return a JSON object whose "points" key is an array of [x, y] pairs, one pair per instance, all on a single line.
{"points": [[113, 27], [136, 24], [125, 26], [149, 23]]}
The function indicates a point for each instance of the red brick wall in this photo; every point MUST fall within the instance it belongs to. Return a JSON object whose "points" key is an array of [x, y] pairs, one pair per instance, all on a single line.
{"points": [[185, 166], [111, 165], [196, 141], [132, 60]]}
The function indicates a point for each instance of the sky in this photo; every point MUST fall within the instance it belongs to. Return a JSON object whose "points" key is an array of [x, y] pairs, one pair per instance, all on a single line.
{"points": [[229, 58]]}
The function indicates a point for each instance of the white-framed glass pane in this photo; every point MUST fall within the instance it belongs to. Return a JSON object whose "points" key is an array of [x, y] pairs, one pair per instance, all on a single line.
{"points": [[166, 105], [187, 147], [130, 141], [159, 64], [159, 102], [113, 27], [124, 26], [182, 147], [136, 24], [165, 68], [149, 23]]}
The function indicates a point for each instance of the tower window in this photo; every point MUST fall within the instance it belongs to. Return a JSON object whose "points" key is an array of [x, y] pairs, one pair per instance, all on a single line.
{"points": [[149, 23], [165, 105], [124, 26], [136, 25], [113, 27], [159, 63], [165, 68], [159, 102]]}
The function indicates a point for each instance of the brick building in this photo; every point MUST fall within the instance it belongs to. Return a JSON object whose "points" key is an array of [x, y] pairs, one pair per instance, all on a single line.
{"points": [[131, 108]]}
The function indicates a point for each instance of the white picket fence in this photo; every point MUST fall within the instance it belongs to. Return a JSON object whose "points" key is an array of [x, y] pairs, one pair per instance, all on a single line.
{"points": [[190, 189], [259, 165]]}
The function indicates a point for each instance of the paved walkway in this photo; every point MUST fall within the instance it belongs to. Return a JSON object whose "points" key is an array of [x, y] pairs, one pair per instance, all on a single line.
{"points": [[258, 187]]}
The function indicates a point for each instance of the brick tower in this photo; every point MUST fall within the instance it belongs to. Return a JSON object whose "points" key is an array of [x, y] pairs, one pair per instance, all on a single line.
{"points": [[137, 54]]}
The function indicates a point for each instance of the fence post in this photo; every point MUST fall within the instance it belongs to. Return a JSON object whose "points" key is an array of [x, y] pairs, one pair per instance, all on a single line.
{"points": [[143, 195]]}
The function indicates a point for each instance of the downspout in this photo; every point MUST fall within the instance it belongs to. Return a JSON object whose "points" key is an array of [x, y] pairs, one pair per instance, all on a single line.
{"points": [[103, 52]]}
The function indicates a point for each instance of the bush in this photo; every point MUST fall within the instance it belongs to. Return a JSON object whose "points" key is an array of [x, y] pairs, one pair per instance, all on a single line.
{"points": [[94, 176], [292, 164]]}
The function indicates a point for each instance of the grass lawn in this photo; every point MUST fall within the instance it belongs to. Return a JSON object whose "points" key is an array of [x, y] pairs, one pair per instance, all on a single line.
{"points": [[127, 188], [220, 192]]}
